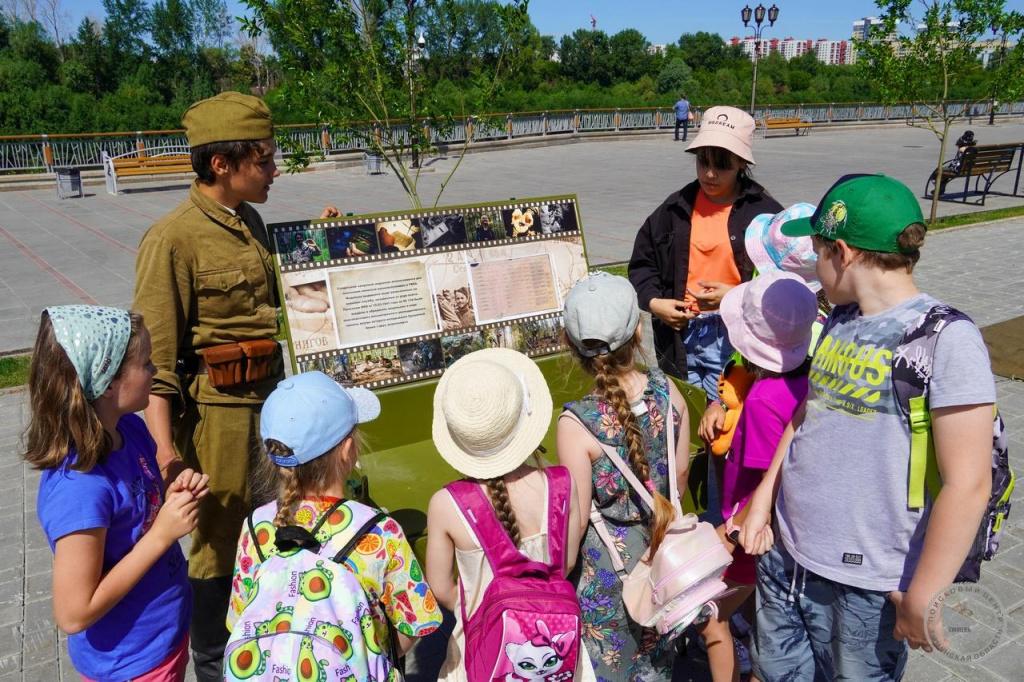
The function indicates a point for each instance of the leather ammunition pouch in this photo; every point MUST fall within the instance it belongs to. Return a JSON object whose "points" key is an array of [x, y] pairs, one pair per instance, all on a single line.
{"points": [[233, 364]]}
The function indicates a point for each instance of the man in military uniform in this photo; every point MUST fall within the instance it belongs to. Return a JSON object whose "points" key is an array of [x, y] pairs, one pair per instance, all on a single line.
{"points": [[206, 285]]}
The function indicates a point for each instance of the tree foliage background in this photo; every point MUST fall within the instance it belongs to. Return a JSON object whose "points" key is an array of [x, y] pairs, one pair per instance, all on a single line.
{"points": [[141, 64]]}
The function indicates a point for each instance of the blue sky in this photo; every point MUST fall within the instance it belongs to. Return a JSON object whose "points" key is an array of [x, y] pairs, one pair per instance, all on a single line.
{"points": [[662, 21]]}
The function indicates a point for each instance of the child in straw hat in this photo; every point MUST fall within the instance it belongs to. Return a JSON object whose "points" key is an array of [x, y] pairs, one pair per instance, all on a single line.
{"points": [[492, 408]]}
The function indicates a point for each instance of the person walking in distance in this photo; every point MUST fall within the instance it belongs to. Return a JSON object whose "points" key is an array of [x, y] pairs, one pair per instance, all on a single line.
{"points": [[682, 109]]}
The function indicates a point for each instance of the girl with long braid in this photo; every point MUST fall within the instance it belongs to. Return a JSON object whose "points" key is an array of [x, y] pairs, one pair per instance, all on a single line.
{"points": [[626, 409], [492, 408]]}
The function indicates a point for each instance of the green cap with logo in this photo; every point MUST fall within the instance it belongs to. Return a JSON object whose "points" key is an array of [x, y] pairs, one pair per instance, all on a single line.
{"points": [[865, 211]]}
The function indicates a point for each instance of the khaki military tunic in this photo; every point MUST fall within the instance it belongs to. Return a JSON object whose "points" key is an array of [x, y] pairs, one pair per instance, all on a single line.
{"points": [[205, 276]]}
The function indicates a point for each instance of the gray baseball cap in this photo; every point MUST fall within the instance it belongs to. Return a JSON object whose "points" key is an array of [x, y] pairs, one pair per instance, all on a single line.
{"points": [[601, 307]]}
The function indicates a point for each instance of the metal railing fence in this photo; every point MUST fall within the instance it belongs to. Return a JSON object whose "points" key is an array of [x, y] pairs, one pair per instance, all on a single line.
{"points": [[46, 152]]}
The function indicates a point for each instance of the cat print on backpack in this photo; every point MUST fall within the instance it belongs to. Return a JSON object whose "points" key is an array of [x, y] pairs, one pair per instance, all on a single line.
{"points": [[542, 657]]}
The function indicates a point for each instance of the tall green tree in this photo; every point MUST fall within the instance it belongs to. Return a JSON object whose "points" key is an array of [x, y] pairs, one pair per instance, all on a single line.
{"points": [[628, 54], [937, 43], [348, 61], [586, 56], [702, 51]]}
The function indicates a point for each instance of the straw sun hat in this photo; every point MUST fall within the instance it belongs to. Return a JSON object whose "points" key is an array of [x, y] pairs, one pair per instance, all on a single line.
{"points": [[491, 411]]}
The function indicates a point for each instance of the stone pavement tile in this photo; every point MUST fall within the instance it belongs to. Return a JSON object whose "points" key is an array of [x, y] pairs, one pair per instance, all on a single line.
{"points": [[923, 667], [47, 670], [39, 617], [1007, 662], [1011, 563], [38, 587], [11, 665]]}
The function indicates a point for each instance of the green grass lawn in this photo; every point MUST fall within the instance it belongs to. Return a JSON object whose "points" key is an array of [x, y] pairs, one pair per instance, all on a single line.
{"points": [[14, 370], [976, 217]]}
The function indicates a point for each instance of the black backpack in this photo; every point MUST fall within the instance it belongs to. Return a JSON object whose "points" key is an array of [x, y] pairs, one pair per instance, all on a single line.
{"points": [[911, 375]]}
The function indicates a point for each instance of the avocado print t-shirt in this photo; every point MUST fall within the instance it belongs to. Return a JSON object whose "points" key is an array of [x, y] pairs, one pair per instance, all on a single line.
{"points": [[383, 563], [842, 508]]}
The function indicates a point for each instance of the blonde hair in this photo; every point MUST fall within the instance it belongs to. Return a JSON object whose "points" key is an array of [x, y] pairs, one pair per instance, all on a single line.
{"points": [[606, 370], [62, 418], [294, 483]]}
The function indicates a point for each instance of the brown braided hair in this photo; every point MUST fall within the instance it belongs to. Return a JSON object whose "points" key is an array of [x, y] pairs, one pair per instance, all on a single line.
{"points": [[498, 492], [606, 370], [293, 483]]}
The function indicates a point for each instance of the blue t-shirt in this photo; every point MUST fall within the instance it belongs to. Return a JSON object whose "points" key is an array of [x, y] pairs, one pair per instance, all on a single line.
{"points": [[122, 494], [682, 108]]}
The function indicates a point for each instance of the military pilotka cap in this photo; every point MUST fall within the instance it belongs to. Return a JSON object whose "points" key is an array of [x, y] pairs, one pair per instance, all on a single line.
{"points": [[227, 117], [865, 211]]}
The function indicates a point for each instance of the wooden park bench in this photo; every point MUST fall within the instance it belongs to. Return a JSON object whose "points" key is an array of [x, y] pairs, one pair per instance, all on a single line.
{"points": [[156, 161], [798, 125], [986, 164]]}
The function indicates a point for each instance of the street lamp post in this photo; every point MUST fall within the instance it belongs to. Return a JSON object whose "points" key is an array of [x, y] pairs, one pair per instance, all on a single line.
{"points": [[1002, 51], [758, 13]]}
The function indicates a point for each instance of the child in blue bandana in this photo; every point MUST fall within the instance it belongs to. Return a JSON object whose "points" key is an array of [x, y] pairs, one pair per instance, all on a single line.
{"points": [[120, 588]]}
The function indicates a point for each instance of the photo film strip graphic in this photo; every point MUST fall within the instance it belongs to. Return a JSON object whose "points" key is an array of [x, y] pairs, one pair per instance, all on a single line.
{"points": [[367, 366], [284, 234]]}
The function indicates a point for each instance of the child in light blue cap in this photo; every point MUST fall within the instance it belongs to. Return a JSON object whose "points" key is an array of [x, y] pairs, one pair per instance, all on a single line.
{"points": [[309, 430], [120, 588]]}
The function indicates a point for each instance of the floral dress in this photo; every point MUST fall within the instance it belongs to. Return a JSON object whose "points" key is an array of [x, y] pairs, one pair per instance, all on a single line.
{"points": [[618, 647]]}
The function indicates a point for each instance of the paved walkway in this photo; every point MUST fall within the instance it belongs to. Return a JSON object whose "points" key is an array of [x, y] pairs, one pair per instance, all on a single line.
{"points": [[76, 250], [83, 250]]}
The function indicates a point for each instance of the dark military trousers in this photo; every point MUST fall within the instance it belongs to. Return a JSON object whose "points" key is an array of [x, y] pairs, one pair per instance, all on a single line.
{"points": [[221, 441]]}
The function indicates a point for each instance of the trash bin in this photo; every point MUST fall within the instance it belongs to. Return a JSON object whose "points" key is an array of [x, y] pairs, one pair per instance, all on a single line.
{"points": [[373, 163], [69, 182]]}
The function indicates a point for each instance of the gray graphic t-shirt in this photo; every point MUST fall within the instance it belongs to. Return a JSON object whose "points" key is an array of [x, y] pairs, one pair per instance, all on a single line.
{"points": [[842, 506]]}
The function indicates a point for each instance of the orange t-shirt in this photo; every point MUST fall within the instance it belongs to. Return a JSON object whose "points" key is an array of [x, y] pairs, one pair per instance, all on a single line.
{"points": [[711, 256]]}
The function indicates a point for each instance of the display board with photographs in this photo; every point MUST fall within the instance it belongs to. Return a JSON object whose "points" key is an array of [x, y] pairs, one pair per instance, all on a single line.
{"points": [[387, 299]]}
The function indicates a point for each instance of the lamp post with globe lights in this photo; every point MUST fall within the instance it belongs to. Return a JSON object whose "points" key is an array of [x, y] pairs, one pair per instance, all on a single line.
{"points": [[758, 13]]}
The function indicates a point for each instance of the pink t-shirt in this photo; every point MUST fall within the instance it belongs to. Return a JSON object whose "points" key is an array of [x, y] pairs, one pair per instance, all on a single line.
{"points": [[769, 407]]}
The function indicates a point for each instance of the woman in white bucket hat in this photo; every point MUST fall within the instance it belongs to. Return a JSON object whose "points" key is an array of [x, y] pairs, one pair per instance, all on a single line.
{"points": [[492, 409]]}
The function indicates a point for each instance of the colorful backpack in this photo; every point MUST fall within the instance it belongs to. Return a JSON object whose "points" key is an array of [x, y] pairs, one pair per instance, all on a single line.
{"points": [[911, 375], [527, 626], [308, 617]]}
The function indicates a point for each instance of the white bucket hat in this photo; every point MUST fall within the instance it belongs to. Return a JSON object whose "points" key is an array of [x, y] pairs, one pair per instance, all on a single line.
{"points": [[492, 409], [729, 128]]}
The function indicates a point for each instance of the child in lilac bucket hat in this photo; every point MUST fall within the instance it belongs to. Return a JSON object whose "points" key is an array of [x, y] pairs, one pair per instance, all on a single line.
{"points": [[769, 323]]}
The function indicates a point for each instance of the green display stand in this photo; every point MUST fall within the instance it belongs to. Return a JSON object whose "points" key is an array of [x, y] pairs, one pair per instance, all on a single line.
{"points": [[401, 469]]}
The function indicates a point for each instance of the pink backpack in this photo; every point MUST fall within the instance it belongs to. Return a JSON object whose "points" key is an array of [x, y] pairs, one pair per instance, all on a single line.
{"points": [[527, 626]]}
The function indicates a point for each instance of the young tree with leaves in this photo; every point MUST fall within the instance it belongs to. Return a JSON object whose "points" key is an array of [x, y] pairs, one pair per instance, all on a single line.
{"points": [[358, 68], [923, 47]]}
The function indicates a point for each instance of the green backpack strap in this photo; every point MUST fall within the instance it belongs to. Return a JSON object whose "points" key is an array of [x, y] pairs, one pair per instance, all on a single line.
{"points": [[924, 468]]}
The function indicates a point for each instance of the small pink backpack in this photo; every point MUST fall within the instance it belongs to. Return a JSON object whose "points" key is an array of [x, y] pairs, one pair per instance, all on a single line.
{"points": [[527, 626]]}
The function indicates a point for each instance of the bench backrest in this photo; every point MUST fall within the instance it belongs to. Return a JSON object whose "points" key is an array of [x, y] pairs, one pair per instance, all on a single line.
{"points": [[782, 122], [989, 157]]}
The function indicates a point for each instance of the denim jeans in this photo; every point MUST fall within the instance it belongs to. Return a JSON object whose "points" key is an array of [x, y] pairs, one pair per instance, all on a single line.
{"points": [[811, 628], [707, 351]]}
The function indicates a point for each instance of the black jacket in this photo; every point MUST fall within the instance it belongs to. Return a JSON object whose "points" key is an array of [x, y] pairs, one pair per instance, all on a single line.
{"points": [[661, 254]]}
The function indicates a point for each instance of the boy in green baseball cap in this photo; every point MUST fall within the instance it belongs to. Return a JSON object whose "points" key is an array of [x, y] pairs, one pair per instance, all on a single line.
{"points": [[855, 555]]}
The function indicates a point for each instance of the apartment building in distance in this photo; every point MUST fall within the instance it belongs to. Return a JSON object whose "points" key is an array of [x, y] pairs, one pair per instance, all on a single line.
{"points": [[827, 51]]}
